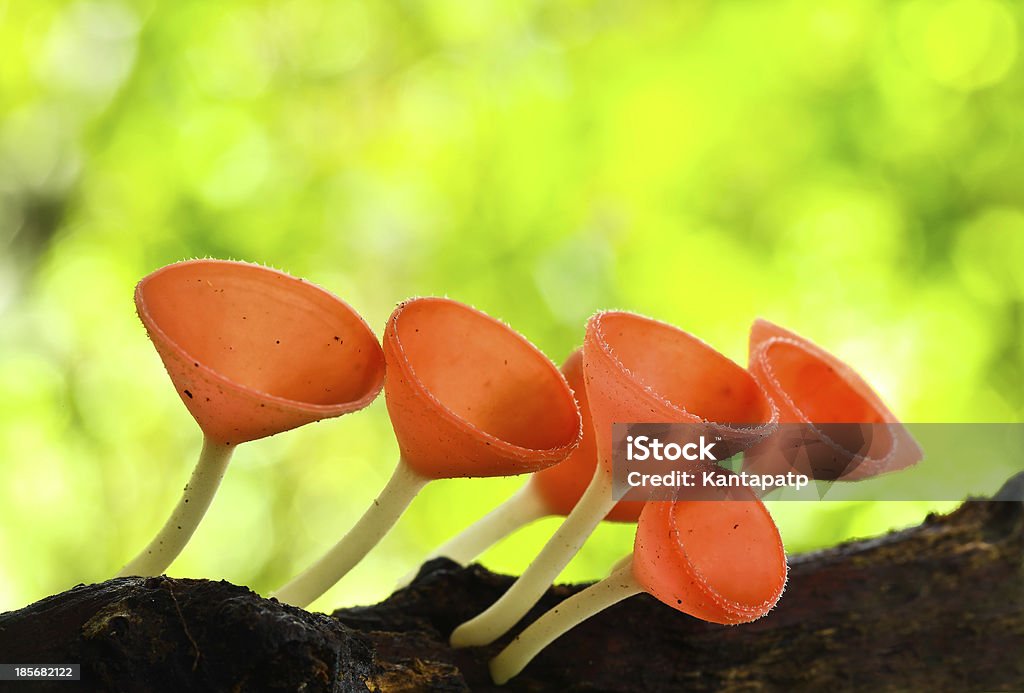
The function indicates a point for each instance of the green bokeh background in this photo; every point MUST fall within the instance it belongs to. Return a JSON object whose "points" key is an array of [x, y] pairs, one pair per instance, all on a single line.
{"points": [[852, 169]]}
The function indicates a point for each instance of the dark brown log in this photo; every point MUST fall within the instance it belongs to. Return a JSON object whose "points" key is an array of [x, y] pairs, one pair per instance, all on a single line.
{"points": [[935, 607]]}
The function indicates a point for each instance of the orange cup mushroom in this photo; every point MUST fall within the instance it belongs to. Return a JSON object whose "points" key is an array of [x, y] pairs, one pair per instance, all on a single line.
{"points": [[470, 397], [841, 426], [252, 352], [467, 397], [554, 490], [720, 560], [637, 370]]}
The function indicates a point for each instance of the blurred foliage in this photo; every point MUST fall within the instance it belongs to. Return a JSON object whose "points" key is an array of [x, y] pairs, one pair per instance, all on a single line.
{"points": [[853, 169]]}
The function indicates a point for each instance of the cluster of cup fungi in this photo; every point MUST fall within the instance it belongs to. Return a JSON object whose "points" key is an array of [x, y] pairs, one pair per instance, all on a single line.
{"points": [[253, 352]]}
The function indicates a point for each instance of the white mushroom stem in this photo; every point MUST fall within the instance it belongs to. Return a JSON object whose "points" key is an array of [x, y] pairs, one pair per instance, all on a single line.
{"points": [[197, 496], [378, 519], [592, 507], [552, 625], [520, 509]]}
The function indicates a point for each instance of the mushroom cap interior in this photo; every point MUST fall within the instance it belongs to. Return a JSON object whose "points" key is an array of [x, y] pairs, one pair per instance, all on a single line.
{"points": [[819, 389], [816, 388], [717, 555], [734, 547], [682, 369], [262, 330], [486, 374]]}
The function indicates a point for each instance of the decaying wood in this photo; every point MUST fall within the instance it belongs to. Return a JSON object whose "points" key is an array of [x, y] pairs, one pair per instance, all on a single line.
{"points": [[934, 607]]}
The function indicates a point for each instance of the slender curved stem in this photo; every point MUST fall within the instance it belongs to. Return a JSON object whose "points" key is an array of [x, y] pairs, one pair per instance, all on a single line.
{"points": [[552, 625], [520, 509], [378, 519], [198, 493], [595, 503]]}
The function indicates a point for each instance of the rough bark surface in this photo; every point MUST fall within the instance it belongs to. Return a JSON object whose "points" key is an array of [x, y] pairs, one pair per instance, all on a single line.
{"points": [[935, 607]]}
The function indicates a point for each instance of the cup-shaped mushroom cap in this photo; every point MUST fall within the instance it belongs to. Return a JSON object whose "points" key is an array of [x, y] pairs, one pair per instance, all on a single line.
{"points": [[470, 397], [718, 560], [811, 386], [640, 370], [253, 351], [561, 485]]}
